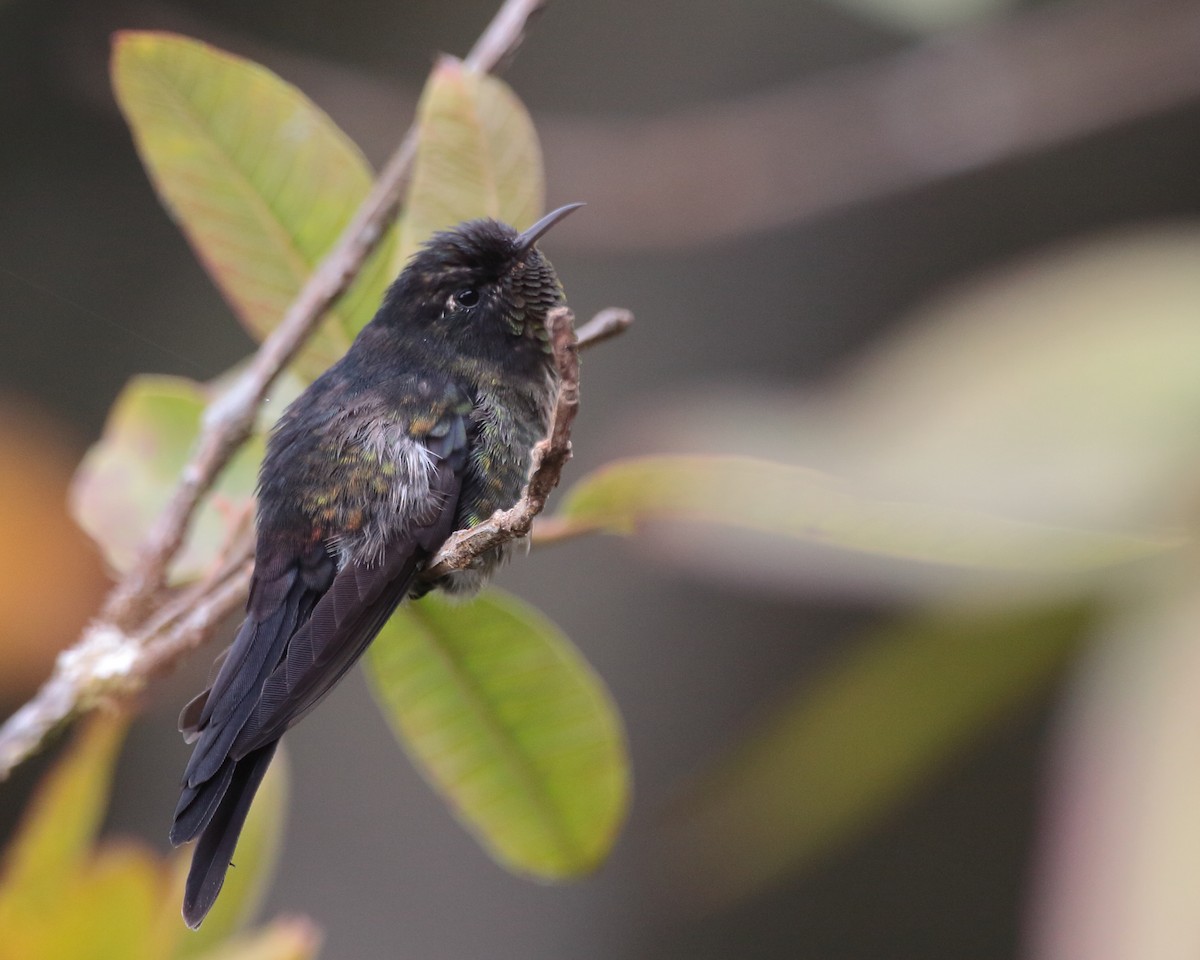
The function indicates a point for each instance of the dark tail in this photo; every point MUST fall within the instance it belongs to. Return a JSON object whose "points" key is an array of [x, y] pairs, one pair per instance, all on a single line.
{"points": [[216, 810]]}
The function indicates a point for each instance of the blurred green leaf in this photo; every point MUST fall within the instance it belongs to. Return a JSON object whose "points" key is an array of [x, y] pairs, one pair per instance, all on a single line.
{"points": [[290, 939], [1061, 394], [59, 898], [508, 721], [64, 898], [478, 156], [109, 909], [247, 883], [804, 505], [259, 178], [126, 478], [1064, 390], [847, 748], [59, 827]]}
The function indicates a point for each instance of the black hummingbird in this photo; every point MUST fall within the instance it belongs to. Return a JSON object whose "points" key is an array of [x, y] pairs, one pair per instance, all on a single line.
{"points": [[424, 427]]}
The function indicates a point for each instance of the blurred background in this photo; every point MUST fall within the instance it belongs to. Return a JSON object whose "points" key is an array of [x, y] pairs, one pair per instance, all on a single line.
{"points": [[898, 221]]}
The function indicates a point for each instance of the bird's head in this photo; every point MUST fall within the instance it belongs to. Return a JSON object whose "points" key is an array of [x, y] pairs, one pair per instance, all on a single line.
{"points": [[481, 283]]}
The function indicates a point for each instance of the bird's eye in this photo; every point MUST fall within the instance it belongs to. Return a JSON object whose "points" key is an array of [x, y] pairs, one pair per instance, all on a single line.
{"points": [[467, 297]]}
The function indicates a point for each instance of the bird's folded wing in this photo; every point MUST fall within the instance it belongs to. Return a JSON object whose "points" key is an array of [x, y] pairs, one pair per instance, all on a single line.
{"points": [[358, 603], [285, 589]]}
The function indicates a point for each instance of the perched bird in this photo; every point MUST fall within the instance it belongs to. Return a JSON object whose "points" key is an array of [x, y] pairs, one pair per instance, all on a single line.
{"points": [[424, 427]]}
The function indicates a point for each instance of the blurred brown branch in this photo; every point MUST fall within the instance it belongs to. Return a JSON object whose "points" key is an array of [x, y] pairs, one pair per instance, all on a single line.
{"points": [[953, 104], [116, 652], [958, 102], [950, 105]]}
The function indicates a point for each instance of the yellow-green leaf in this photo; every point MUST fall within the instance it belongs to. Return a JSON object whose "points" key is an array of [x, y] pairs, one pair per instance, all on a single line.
{"points": [[254, 862], [258, 177], [127, 477], [797, 504], [846, 749], [509, 723], [1063, 389], [64, 898], [60, 823], [478, 156], [109, 909], [59, 898]]}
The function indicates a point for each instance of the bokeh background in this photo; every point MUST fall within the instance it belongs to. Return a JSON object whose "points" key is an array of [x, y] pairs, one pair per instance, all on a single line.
{"points": [[774, 188]]}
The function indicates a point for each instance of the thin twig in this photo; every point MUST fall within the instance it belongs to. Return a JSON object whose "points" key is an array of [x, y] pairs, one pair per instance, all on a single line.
{"points": [[605, 325], [111, 657], [501, 38]]}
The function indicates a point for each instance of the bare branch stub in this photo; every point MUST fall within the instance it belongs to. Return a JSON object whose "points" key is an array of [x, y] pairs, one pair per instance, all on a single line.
{"points": [[608, 323]]}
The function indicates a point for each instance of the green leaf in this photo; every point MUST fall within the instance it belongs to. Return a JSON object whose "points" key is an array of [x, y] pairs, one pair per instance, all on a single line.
{"points": [[1065, 389], [126, 478], [59, 898], [62, 897], [290, 939], [797, 504], [478, 156], [1062, 394], [259, 178], [110, 909], [845, 750], [509, 723], [254, 860], [56, 834]]}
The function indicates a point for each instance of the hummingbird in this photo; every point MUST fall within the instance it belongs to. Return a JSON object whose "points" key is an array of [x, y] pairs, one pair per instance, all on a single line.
{"points": [[425, 426]]}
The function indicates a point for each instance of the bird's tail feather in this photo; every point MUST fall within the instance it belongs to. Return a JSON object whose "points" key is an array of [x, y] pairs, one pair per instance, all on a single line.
{"points": [[211, 858]]}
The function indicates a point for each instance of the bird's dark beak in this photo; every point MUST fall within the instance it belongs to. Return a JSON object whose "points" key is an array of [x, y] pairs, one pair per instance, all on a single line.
{"points": [[531, 236]]}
